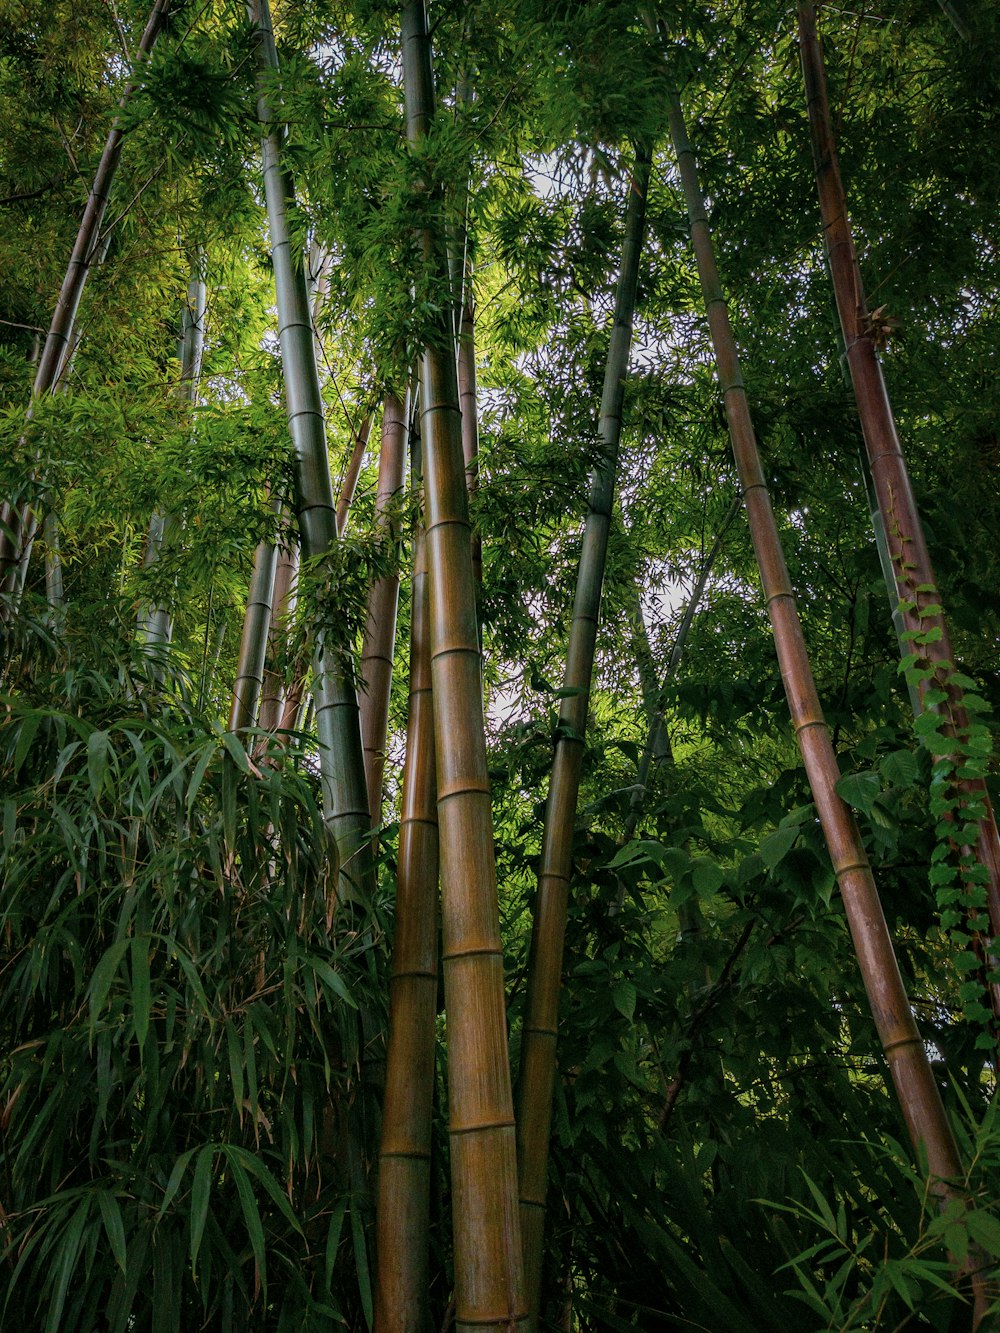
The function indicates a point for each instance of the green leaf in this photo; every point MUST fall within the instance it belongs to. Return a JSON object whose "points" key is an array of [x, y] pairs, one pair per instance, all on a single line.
{"points": [[707, 876], [141, 996], [859, 790], [104, 975], [111, 1216], [623, 996], [201, 1189], [984, 1228], [777, 845], [251, 1214], [900, 769]]}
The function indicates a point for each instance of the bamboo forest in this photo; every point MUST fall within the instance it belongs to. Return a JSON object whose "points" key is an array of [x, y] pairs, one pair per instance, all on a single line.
{"points": [[499, 611]]}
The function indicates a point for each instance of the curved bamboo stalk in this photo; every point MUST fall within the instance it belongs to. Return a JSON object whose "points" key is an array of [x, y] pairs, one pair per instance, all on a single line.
{"points": [[15, 547], [154, 625], [915, 584], [383, 598], [538, 1040], [345, 799], [904, 1050], [256, 632], [403, 1215], [350, 483], [487, 1243], [286, 574]]}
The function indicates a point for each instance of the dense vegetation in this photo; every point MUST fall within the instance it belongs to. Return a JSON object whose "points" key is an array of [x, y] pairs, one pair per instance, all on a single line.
{"points": [[196, 942]]}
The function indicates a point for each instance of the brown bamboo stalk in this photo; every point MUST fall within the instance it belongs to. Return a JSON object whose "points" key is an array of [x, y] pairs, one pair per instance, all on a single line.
{"points": [[468, 400], [403, 1212], [904, 1050], [916, 584], [350, 483], [538, 1040], [380, 623], [286, 574], [15, 549], [487, 1244]]}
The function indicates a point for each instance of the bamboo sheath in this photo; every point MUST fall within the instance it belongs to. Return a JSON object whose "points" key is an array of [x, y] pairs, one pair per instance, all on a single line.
{"points": [[345, 799], [403, 1215], [383, 599], [538, 1041], [155, 621], [487, 1243], [904, 1050], [16, 543], [915, 583]]}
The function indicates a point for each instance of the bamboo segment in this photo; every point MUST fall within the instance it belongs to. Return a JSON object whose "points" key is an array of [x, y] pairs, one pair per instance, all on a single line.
{"points": [[904, 1050], [15, 546], [468, 401], [253, 645], [538, 1041], [350, 482], [154, 621], [403, 1221], [342, 772], [915, 582], [380, 625], [286, 574], [487, 1243]]}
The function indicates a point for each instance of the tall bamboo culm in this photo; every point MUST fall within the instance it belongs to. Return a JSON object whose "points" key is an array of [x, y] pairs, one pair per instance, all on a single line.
{"points": [[16, 541], [256, 634], [403, 1214], [538, 1041], [273, 695], [915, 582], [904, 1050], [154, 621], [380, 624], [487, 1243], [468, 401], [345, 798]]}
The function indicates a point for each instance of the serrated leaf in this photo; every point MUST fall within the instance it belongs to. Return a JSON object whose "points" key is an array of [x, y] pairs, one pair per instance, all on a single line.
{"points": [[900, 768], [859, 790]]}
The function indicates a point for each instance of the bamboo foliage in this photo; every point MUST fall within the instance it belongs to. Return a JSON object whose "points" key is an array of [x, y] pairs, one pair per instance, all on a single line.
{"points": [[915, 583], [538, 1040], [487, 1245], [345, 800], [403, 1221], [17, 537], [904, 1049], [383, 598]]}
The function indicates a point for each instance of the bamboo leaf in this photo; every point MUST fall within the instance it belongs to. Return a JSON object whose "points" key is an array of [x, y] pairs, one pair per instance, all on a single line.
{"points": [[251, 1213], [114, 1228], [201, 1189], [141, 996], [104, 975], [361, 1264]]}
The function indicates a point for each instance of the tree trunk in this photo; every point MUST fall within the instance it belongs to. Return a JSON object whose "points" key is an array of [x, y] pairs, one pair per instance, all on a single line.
{"points": [[345, 799], [915, 582], [905, 1053], [15, 545], [380, 624], [538, 1041], [487, 1243]]}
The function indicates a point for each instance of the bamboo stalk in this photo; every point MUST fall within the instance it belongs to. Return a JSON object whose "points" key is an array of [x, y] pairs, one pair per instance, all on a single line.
{"points": [[15, 550], [403, 1214], [916, 1090], [468, 400], [538, 1040], [272, 695], [256, 632], [915, 584], [487, 1243], [342, 773], [383, 598], [154, 623], [350, 483]]}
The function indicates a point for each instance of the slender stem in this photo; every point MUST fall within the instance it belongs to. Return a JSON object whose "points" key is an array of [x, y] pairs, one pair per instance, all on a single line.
{"points": [[904, 1050], [538, 1042]]}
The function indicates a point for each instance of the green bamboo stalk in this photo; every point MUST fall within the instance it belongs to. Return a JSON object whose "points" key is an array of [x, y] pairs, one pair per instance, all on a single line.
{"points": [[468, 401], [538, 1041], [403, 1213], [154, 621], [380, 623], [916, 1090], [256, 632], [487, 1243], [16, 543], [272, 695], [914, 583]]}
